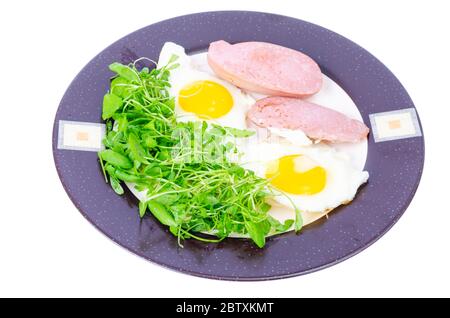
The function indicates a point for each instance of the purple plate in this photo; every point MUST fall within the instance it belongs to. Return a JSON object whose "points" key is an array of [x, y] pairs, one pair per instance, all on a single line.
{"points": [[395, 158]]}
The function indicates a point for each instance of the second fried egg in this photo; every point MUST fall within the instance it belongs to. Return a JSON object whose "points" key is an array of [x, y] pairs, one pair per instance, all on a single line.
{"points": [[316, 179]]}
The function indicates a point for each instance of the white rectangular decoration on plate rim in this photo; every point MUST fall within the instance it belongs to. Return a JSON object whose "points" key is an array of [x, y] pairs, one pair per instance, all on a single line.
{"points": [[79, 135], [394, 125]]}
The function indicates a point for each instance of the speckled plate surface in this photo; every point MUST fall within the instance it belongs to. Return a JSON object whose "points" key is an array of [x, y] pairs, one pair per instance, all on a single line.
{"points": [[395, 154]]}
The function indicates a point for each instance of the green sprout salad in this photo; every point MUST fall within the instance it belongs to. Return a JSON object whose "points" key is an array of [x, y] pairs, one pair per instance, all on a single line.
{"points": [[191, 184]]}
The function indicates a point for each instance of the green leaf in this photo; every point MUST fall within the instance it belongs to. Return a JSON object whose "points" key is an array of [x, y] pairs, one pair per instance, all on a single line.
{"points": [[111, 170], [278, 226], [298, 220], [150, 142], [214, 133], [136, 150], [122, 123], [265, 207], [142, 208], [111, 103], [109, 125], [207, 199], [115, 184], [150, 125], [200, 226], [237, 170], [160, 212], [122, 175], [124, 71], [239, 133], [167, 199], [163, 155], [108, 141], [121, 87], [286, 225], [256, 232], [153, 171], [174, 230], [116, 159]]}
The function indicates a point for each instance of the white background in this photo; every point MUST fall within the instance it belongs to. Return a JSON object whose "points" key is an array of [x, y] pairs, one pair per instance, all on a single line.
{"points": [[48, 249]]}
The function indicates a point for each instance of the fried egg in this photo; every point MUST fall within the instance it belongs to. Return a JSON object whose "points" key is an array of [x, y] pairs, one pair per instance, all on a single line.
{"points": [[315, 178], [199, 95]]}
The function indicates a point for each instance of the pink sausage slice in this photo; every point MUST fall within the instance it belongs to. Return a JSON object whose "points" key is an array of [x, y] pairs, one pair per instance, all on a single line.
{"points": [[316, 121], [265, 68]]}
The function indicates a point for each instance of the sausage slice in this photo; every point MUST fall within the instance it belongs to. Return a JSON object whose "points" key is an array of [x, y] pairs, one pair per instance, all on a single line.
{"points": [[316, 121], [265, 68]]}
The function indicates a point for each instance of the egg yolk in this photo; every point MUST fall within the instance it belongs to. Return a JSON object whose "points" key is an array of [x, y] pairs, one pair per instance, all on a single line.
{"points": [[296, 174], [206, 99]]}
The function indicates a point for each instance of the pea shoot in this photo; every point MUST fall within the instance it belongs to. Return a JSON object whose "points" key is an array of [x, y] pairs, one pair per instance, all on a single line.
{"points": [[146, 145]]}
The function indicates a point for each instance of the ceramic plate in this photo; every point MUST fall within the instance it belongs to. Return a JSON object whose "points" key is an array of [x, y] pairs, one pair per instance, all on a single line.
{"points": [[394, 159]]}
